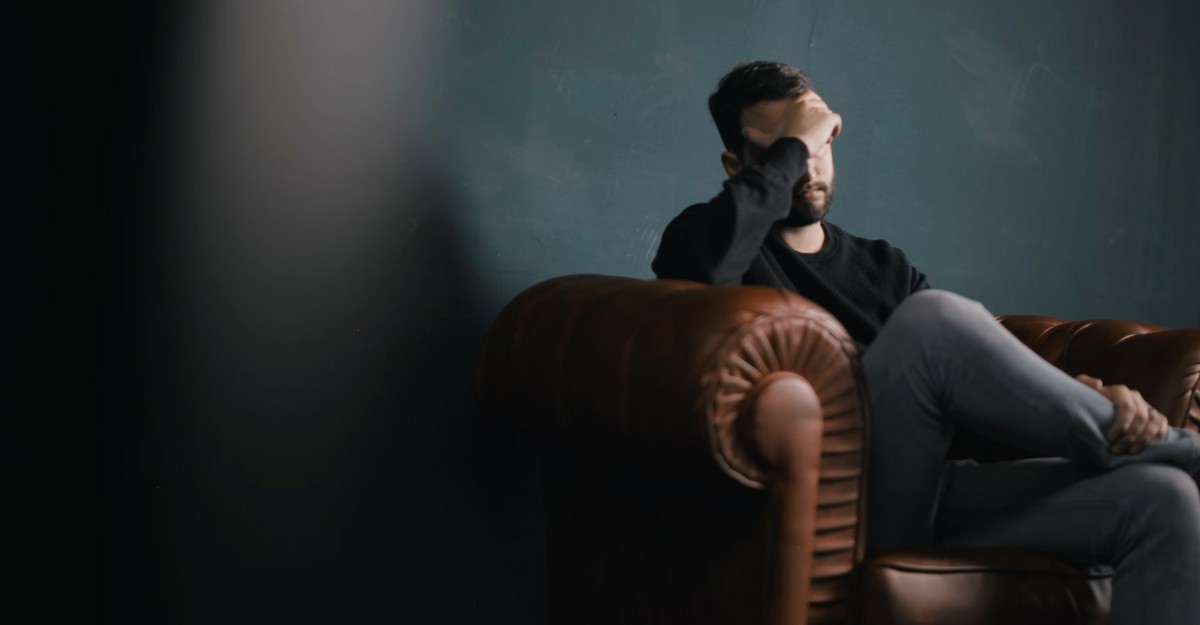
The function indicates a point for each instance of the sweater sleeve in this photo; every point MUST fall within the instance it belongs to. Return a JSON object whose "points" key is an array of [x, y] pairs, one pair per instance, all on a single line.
{"points": [[716, 242], [918, 281], [914, 280]]}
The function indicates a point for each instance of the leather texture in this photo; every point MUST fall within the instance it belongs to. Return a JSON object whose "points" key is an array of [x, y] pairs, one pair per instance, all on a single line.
{"points": [[1162, 364], [703, 453], [981, 588], [647, 391]]}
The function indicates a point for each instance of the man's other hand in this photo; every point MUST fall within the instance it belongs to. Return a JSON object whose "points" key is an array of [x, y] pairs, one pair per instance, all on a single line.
{"points": [[1137, 423], [806, 118]]}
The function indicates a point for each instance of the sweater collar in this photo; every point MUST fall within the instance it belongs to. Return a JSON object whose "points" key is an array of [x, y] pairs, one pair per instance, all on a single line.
{"points": [[833, 243]]}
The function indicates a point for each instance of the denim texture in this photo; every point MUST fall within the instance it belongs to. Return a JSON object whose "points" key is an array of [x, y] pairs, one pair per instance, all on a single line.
{"points": [[942, 360]]}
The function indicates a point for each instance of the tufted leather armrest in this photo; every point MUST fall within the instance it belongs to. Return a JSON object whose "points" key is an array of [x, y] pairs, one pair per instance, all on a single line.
{"points": [[762, 385], [1163, 365], [670, 362]]}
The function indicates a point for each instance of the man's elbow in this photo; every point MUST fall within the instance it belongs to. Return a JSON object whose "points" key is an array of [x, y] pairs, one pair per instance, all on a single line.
{"points": [[668, 271]]}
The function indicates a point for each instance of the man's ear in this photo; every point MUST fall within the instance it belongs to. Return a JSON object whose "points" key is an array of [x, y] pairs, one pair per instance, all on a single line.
{"points": [[731, 163]]}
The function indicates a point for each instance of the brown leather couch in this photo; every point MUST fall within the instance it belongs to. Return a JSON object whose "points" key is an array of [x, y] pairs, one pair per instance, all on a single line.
{"points": [[703, 457]]}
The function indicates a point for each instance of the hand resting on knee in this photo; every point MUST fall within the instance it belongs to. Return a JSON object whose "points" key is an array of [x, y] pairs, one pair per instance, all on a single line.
{"points": [[1137, 423]]}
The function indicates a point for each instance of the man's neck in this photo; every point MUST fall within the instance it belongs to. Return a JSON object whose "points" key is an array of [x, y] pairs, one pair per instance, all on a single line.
{"points": [[804, 239]]}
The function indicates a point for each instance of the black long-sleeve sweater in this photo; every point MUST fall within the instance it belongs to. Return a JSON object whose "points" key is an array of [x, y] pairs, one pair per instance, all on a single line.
{"points": [[732, 240]]}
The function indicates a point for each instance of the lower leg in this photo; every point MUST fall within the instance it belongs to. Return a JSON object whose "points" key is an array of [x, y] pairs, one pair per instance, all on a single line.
{"points": [[942, 360], [1144, 520]]}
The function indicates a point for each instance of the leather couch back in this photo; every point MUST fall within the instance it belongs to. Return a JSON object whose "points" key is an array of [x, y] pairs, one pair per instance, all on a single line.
{"points": [[1162, 364]]}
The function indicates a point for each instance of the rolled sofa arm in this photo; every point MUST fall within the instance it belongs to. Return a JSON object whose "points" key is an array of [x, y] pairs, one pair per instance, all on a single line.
{"points": [[759, 383], [669, 362], [1162, 364]]}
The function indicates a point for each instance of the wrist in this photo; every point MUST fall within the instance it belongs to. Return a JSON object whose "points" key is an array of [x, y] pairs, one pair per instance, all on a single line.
{"points": [[787, 149]]}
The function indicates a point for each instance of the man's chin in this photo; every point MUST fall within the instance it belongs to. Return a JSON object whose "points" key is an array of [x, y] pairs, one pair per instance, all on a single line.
{"points": [[806, 214]]}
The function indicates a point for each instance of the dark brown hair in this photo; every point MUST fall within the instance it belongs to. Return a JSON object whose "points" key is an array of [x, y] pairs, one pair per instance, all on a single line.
{"points": [[746, 85]]}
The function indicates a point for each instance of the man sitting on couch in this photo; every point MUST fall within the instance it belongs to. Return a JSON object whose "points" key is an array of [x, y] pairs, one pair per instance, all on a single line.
{"points": [[1117, 485]]}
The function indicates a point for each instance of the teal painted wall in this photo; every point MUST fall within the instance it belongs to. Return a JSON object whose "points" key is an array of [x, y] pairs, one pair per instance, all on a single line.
{"points": [[305, 214], [1040, 157]]}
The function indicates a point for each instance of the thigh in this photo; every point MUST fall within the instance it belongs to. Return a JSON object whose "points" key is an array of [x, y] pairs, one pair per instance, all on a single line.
{"points": [[1050, 505]]}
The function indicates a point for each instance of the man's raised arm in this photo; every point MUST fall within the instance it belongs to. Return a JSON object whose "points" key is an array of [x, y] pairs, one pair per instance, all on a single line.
{"points": [[715, 242]]}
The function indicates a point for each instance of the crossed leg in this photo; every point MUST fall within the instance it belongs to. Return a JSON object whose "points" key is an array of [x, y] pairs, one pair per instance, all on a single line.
{"points": [[1140, 518], [943, 360]]}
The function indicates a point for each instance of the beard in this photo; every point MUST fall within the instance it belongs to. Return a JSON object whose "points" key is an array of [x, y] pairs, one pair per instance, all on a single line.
{"points": [[807, 211]]}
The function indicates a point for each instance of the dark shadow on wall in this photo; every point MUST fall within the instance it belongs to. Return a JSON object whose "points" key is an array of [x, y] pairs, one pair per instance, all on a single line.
{"points": [[341, 474], [336, 471], [456, 507], [407, 525]]}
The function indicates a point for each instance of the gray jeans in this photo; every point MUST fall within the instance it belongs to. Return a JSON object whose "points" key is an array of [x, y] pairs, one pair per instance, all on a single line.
{"points": [[943, 360]]}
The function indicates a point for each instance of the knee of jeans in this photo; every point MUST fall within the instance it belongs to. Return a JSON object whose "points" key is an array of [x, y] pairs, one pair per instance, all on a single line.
{"points": [[1165, 498], [932, 306]]}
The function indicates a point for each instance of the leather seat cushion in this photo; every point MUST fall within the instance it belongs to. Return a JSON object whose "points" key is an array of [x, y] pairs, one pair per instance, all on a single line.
{"points": [[981, 588]]}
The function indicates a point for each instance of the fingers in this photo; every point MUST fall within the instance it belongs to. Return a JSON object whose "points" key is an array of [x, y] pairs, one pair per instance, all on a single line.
{"points": [[837, 126], [811, 96], [811, 101], [1133, 440], [816, 127], [1156, 430], [1137, 424], [1164, 427], [757, 137], [1119, 395], [805, 117]]}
